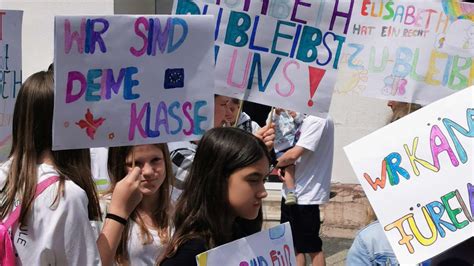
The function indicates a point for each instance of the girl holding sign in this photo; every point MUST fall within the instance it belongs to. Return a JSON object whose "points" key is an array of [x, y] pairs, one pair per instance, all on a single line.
{"points": [[225, 184], [147, 231], [48, 197]]}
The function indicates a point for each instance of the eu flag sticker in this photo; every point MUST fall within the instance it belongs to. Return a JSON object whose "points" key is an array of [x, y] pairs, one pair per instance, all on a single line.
{"points": [[174, 78]]}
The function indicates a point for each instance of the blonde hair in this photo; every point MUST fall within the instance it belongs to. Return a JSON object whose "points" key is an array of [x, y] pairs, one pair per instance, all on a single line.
{"points": [[401, 109]]}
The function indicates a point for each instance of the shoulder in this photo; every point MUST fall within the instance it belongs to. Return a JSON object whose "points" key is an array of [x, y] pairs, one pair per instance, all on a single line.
{"points": [[373, 238], [244, 117], [181, 145], [196, 244], [73, 192], [4, 168], [371, 247], [71, 195], [181, 151], [186, 253], [314, 120], [255, 127], [315, 126], [371, 230]]}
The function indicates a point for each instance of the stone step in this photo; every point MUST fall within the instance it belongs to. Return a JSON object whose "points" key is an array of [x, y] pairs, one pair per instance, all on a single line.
{"points": [[341, 217]]}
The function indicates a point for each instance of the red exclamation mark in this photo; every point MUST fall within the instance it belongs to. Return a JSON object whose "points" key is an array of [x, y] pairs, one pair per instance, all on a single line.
{"points": [[315, 77]]}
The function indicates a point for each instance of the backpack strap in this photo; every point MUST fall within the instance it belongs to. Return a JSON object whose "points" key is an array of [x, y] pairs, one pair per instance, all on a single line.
{"points": [[7, 253], [15, 214]]}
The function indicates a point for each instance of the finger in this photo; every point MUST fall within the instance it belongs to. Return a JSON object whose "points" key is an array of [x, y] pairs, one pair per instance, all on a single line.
{"points": [[269, 144], [269, 138], [258, 135], [134, 175], [262, 130], [282, 177], [269, 132]]}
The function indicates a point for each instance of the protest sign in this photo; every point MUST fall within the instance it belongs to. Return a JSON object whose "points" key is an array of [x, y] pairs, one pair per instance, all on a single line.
{"points": [[418, 175], [10, 74], [408, 51], [269, 247], [278, 53], [127, 80]]}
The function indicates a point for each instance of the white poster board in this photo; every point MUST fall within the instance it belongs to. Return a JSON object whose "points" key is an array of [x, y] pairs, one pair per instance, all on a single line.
{"points": [[418, 175], [277, 53], [10, 74], [408, 51], [127, 80], [273, 246]]}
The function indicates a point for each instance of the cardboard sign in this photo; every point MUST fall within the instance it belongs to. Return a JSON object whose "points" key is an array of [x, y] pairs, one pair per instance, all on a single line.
{"points": [[127, 80], [278, 53], [10, 74], [418, 175], [270, 247], [408, 51]]}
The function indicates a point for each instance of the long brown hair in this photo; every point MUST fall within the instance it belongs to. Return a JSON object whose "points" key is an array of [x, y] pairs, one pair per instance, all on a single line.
{"points": [[32, 139], [203, 210], [162, 213]]}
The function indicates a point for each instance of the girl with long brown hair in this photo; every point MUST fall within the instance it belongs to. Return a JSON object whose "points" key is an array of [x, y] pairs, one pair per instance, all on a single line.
{"points": [[224, 186], [148, 228], [54, 228]]}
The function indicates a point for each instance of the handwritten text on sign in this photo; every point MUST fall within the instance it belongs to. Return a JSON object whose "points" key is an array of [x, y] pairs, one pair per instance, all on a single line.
{"points": [[269, 247], [127, 80], [408, 51], [418, 176], [10, 74], [279, 53]]}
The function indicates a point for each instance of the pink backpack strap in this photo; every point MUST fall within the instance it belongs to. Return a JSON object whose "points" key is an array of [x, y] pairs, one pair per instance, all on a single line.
{"points": [[15, 214], [7, 253]]}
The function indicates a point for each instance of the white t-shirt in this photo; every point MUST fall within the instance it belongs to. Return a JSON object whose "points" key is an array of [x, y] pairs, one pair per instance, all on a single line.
{"points": [[140, 254], [244, 118], [182, 157], [99, 171], [314, 167], [58, 234]]}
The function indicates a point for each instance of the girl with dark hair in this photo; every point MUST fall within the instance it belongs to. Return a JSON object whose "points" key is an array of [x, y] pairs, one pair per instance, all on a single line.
{"points": [[148, 228], [53, 226], [225, 184]]}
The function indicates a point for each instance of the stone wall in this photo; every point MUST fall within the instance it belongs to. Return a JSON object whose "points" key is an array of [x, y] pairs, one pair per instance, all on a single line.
{"points": [[346, 212]]}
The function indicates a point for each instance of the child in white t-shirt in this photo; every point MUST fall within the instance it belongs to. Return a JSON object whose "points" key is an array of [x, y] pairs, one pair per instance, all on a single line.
{"points": [[287, 124], [244, 121], [54, 228], [312, 157], [148, 229]]}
